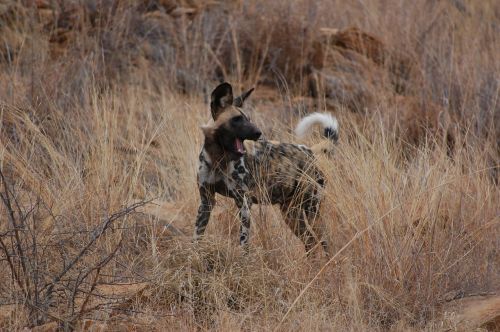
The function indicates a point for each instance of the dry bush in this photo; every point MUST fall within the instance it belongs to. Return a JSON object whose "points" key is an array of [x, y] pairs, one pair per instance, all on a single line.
{"points": [[101, 103]]}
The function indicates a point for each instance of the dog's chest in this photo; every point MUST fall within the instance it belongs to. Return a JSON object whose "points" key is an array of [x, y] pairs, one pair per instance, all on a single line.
{"points": [[232, 182]]}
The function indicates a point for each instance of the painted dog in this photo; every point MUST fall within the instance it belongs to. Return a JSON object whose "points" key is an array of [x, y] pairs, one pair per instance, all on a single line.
{"points": [[236, 164]]}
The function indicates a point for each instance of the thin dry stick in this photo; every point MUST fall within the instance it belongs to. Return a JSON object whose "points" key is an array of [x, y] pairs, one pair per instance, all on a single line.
{"points": [[11, 267], [97, 269], [216, 59], [89, 294], [18, 242], [236, 53]]}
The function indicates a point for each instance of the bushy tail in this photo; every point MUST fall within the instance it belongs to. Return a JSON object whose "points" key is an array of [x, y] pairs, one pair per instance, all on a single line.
{"points": [[326, 120], [330, 130]]}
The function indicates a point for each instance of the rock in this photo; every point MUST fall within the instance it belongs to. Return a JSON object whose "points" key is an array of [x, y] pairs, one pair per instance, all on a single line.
{"points": [[475, 312]]}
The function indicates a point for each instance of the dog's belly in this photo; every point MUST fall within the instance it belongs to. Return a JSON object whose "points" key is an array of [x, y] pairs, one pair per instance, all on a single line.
{"points": [[270, 196], [278, 180], [257, 196], [223, 189], [260, 193]]}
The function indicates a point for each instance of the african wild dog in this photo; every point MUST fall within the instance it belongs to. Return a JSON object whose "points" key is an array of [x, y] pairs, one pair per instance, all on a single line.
{"points": [[234, 163]]}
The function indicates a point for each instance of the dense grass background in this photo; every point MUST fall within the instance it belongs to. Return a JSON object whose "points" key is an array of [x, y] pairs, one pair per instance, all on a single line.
{"points": [[101, 104]]}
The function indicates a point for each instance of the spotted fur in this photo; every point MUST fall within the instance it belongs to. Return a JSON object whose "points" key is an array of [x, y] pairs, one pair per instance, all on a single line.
{"points": [[267, 173]]}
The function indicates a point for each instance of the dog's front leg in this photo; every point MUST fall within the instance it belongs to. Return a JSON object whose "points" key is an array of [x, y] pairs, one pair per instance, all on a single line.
{"points": [[244, 205], [207, 196]]}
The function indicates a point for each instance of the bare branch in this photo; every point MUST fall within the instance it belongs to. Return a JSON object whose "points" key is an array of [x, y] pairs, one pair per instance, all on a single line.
{"points": [[97, 234]]}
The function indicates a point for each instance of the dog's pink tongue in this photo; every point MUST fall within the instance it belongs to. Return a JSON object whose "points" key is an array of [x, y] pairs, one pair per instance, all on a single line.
{"points": [[239, 146]]}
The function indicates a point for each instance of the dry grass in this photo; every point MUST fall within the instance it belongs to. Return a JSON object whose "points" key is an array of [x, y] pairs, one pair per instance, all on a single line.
{"points": [[101, 109]]}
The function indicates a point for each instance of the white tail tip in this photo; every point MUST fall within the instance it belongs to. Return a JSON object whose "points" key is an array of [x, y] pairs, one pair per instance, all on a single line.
{"points": [[326, 120]]}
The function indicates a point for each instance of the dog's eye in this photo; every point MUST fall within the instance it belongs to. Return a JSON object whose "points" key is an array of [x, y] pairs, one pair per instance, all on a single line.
{"points": [[237, 119]]}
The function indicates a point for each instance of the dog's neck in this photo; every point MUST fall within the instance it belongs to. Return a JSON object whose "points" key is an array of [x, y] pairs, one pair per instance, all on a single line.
{"points": [[219, 159]]}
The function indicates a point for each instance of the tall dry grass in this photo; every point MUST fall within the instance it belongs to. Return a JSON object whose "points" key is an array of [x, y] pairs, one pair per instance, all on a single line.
{"points": [[101, 109]]}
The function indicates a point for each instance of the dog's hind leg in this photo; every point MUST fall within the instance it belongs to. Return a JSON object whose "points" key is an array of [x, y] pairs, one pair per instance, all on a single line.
{"points": [[295, 219], [311, 211], [206, 205]]}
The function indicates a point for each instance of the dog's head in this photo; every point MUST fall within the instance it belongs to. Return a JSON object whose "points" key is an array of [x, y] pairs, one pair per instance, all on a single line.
{"points": [[231, 125]]}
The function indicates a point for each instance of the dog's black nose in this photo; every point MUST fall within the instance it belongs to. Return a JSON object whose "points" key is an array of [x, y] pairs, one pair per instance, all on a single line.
{"points": [[257, 135]]}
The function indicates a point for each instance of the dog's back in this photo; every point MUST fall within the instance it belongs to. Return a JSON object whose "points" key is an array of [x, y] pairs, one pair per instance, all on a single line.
{"points": [[280, 171]]}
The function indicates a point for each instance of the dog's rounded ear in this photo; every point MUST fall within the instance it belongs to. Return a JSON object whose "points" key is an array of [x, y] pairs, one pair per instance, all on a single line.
{"points": [[238, 102], [221, 97]]}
